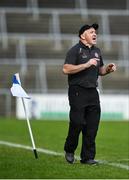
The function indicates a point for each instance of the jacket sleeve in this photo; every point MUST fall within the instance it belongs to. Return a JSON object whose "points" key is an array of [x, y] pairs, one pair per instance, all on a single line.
{"points": [[71, 57]]}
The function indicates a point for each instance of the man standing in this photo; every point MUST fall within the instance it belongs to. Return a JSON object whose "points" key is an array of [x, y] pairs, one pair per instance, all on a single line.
{"points": [[83, 65]]}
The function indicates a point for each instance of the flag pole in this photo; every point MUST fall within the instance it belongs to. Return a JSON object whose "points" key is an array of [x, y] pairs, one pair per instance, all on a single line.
{"points": [[29, 127]]}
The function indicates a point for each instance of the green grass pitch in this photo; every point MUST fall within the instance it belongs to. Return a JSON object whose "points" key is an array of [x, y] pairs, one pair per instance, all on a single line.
{"points": [[17, 163]]}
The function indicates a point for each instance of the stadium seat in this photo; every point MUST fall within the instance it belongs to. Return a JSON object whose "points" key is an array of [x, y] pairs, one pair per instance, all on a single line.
{"points": [[100, 4], [119, 24], [13, 3], [56, 4], [24, 23]]}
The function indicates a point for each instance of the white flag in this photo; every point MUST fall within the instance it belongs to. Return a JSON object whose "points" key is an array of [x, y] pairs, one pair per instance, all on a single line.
{"points": [[16, 88]]}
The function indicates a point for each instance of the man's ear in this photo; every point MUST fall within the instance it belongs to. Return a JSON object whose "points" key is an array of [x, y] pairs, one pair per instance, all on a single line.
{"points": [[82, 36]]}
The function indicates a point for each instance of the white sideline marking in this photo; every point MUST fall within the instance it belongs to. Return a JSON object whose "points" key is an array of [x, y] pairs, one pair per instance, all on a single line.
{"points": [[46, 151]]}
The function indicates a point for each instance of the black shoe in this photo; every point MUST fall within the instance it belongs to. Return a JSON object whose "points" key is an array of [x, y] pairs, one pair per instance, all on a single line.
{"points": [[69, 157], [90, 162]]}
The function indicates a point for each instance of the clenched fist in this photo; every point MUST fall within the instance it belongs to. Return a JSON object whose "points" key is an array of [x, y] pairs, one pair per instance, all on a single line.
{"points": [[93, 62], [111, 68]]}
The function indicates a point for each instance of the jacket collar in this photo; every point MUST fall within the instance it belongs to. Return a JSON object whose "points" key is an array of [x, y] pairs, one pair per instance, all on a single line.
{"points": [[84, 46]]}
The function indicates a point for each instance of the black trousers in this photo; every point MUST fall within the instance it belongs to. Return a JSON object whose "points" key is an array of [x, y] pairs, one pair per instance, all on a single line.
{"points": [[84, 118]]}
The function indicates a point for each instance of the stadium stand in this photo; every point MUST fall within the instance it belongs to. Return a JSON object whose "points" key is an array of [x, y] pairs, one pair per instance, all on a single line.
{"points": [[36, 34]]}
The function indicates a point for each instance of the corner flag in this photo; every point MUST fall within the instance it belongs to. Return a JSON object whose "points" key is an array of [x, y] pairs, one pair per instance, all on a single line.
{"points": [[18, 91], [16, 88]]}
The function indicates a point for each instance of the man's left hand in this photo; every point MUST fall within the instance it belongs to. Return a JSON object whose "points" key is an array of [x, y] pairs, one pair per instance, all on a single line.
{"points": [[111, 68]]}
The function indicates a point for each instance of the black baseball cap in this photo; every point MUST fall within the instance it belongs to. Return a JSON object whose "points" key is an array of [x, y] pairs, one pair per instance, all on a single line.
{"points": [[86, 27]]}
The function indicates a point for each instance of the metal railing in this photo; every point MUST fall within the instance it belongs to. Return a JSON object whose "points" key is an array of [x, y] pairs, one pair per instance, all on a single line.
{"points": [[123, 40], [21, 58]]}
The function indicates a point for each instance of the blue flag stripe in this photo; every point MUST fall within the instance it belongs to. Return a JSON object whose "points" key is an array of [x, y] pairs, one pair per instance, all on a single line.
{"points": [[15, 81]]}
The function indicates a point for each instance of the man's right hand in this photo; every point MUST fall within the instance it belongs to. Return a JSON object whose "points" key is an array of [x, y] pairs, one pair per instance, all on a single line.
{"points": [[93, 61], [72, 69]]}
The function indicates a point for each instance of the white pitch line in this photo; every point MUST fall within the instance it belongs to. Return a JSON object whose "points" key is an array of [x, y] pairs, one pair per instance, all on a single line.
{"points": [[46, 151]]}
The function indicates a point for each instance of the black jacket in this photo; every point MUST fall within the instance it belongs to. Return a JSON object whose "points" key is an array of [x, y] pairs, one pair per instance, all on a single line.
{"points": [[80, 54]]}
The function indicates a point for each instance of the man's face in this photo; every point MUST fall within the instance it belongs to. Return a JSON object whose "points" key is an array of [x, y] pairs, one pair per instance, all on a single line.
{"points": [[90, 36]]}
